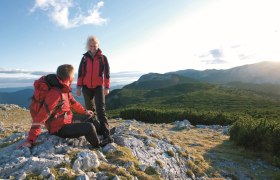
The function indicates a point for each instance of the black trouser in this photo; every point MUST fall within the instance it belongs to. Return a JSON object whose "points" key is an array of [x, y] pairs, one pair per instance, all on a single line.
{"points": [[99, 99], [82, 128]]}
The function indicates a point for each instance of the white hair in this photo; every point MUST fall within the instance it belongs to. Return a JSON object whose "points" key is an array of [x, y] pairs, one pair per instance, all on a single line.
{"points": [[91, 39]]}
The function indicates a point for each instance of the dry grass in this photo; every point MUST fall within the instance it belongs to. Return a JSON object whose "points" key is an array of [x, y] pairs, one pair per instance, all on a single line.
{"points": [[15, 120], [122, 156], [159, 163], [113, 170]]}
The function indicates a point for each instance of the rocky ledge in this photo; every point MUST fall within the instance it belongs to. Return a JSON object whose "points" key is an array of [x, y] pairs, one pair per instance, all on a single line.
{"points": [[133, 154]]}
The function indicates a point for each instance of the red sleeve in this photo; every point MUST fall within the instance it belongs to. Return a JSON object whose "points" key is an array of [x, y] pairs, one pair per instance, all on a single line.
{"points": [[80, 81], [51, 101], [76, 105], [107, 83]]}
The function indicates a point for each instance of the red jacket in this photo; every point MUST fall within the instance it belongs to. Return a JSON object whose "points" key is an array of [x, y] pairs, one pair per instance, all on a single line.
{"points": [[94, 71], [62, 115]]}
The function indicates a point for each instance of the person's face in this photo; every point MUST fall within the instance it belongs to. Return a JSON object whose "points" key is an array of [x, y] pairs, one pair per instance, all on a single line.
{"points": [[93, 46]]}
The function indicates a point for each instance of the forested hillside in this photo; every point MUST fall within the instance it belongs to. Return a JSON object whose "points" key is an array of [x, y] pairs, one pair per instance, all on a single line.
{"points": [[197, 96]]}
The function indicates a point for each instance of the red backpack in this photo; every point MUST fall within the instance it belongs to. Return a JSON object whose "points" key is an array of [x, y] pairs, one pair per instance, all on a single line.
{"points": [[41, 89]]}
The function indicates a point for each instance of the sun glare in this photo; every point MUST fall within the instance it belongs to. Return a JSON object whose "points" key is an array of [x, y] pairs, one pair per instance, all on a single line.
{"points": [[217, 34]]}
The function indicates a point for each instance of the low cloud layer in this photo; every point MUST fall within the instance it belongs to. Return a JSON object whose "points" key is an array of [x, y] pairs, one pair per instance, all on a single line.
{"points": [[17, 72], [23, 78], [59, 12]]}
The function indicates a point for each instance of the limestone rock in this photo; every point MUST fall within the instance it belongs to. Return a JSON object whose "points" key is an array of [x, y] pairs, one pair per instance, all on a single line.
{"points": [[86, 160]]}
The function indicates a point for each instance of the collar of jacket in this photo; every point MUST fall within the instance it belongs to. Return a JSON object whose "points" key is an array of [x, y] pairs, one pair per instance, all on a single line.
{"points": [[89, 55], [54, 81], [65, 88]]}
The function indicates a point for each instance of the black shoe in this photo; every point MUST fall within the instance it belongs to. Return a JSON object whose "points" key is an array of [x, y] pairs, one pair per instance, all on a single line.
{"points": [[113, 130], [106, 141]]}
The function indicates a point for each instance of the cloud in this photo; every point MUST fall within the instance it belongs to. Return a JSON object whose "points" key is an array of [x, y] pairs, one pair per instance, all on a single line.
{"points": [[24, 73], [59, 12], [216, 53], [12, 71], [214, 56]]}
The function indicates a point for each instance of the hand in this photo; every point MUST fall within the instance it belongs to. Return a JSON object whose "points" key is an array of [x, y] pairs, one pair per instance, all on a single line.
{"points": [[78, 92], [89, 112], [24, 144], [106, 91]]}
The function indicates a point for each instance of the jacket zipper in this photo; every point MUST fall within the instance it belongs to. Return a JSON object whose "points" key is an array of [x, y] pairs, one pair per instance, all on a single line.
{"points": [[92, 71], [92, 65]]}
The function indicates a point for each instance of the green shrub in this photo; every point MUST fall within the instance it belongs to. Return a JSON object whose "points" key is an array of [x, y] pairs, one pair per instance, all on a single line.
{"points": [[260, 135], [167, 116]]}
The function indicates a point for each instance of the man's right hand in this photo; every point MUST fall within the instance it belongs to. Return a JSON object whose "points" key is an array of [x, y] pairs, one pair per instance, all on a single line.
{"points": [[24, 144], [89, 112], [78, 92]]}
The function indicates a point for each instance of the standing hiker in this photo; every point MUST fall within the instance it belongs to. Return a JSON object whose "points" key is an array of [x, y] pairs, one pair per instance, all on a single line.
{"points": [[94, 82]]}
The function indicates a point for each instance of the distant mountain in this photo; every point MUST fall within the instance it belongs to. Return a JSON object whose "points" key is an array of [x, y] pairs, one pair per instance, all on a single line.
{"points": [[263, 76], [23, 97], [263, 72], [14, 89], [156, 80]]}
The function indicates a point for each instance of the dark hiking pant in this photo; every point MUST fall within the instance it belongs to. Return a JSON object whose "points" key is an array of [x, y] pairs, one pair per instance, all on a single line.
{"points": [[81, 128], [99, 99]]}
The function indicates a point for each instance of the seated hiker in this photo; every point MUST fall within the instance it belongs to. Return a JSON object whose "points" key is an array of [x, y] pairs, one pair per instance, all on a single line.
{"points": [[56, 114]]}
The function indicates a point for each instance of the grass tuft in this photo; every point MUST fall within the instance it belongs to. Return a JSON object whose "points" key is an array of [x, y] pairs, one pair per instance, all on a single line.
{"points": [[160, 163]]}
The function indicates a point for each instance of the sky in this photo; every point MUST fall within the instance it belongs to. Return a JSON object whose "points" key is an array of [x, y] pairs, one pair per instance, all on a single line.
{"points": [[138, 36]]}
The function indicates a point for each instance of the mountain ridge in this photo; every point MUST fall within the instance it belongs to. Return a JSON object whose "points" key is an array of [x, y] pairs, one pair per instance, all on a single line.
{"points": [[262, 72]]}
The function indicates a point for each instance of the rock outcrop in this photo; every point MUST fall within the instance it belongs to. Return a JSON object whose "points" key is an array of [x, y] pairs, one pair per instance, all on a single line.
{"points": [[53, 157], [6, 107]]}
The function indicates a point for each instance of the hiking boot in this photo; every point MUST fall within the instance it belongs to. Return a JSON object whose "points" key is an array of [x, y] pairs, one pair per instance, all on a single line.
{"points": [[106, 141], [113, 130], [94, 148]]}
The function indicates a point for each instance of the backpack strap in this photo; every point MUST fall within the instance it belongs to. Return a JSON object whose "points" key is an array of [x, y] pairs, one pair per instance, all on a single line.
{"points": [[71, 100], [84, 61], [107, 67], [104, 65], [51, 113], [59, 104], [101, 65]]}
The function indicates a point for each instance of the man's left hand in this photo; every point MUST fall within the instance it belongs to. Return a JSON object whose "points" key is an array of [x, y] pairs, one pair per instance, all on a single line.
{"points": [[24, 144]]}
